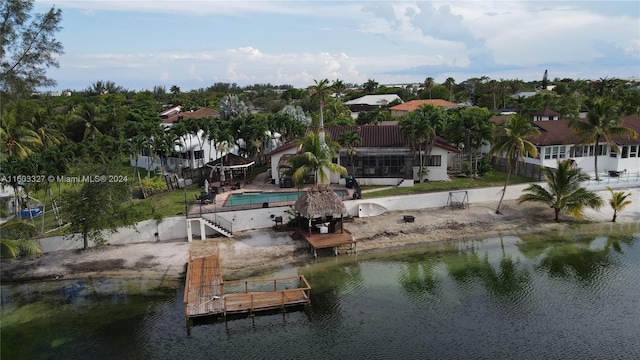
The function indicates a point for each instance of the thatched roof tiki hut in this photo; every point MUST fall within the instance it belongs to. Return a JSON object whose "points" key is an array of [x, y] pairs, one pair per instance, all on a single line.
{"points": [[320, 204]]}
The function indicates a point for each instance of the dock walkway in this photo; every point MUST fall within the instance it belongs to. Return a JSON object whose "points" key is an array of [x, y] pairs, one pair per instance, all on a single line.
{"points": [[207, 294]]}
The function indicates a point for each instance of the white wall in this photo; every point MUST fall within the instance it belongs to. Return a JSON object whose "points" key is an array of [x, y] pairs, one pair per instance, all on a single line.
{"points": [[175, 228], [275, 160]]}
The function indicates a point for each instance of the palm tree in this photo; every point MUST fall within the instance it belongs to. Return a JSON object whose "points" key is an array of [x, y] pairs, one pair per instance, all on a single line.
{"points": [[339, 87], [15, 238], [565, 192], [91, 115], [321, 90], [428, 85], [512, 143], [603, 122], [421, 127], [18, 137], [351, 140], [619, 200], [316, 159], [370, 86], [44, 126], [450, 83]]}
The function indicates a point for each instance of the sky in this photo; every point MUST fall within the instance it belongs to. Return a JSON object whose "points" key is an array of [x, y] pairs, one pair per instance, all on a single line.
{"points": [[194, 44]]}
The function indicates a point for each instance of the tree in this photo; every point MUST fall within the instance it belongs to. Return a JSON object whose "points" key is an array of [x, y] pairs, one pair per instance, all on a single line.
{"points": [[602, 123], [315, 159], [17, 135], [232, 107], [450, 83], [28, 46], [512, 143], [370, 86], [321, 91], [339, 88], [564, 191], [97, 205], [351, 140], [422, 126], [15, 239], [92, 116], [472, 127], [428, 85], [619, 200]]}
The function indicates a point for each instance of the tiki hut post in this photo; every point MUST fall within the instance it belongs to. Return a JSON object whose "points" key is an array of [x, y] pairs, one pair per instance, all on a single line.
{"points": [[309, 227]]}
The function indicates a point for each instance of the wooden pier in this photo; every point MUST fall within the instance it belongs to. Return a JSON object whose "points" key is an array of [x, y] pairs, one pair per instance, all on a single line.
{"points": [[207, 294], [331, 240]]}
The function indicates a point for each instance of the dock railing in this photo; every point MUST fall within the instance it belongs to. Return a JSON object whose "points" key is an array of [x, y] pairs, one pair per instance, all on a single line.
{"points": [[260, 292]]}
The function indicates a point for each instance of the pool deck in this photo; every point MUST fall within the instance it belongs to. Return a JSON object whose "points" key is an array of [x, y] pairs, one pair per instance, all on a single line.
{"points": [[258, 185]]}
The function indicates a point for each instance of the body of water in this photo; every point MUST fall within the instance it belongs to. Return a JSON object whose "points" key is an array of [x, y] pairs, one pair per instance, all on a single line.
{"points": [[250, 198], [574, 295]]}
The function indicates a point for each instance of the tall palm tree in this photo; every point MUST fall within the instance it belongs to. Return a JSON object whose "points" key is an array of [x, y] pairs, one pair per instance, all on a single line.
{"points": [[450, 83], [602, 124], [428, 85], [351, 140], [512, 143], [321, 91], [565, 192], [619, 200], [316, 158]]}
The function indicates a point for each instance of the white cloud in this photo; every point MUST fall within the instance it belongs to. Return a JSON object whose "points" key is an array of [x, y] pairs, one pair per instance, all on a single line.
{"points": [[357, 41]]}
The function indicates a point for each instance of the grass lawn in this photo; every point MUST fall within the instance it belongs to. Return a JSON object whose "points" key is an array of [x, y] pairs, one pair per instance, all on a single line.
{"points": [[168, 203], [494, 178]]}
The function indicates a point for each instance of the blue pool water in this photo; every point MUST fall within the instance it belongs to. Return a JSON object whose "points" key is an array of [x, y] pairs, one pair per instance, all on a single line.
{"points": [[250, 198]]}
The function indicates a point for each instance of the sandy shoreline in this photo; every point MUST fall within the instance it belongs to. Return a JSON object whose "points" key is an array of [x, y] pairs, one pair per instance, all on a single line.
{"points": [[252, 252]]}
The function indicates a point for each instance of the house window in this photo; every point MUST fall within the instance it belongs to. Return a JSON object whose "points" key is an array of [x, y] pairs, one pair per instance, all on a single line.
{"points": [[434, 160], [633, 151], [625, 152], [602, 150], [613, 153], [555, 152], [198, 154]]}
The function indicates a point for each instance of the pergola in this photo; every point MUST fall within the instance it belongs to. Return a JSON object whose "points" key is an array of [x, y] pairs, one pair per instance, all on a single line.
{"points": [[222, 169]]}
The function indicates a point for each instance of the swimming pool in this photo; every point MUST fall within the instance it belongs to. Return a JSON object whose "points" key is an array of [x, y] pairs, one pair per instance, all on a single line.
{"points": [[249, 198]]}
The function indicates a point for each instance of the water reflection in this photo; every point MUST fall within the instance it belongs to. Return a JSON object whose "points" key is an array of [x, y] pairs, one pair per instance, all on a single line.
{"points": [[513, 297]]}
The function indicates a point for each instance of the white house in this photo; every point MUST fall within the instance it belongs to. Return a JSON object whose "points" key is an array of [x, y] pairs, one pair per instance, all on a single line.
{"points": [[193, 150], [370, 103], [557, 141], [383, 156]]}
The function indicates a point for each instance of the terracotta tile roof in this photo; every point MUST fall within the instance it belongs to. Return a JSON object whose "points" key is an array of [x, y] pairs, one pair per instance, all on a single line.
{"points": [[414, 104], [387, 136], [198, 114]]}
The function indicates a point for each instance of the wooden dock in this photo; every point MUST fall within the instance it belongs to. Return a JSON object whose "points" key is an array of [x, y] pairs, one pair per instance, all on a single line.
{"points": [[207, 294], [331, 240]]}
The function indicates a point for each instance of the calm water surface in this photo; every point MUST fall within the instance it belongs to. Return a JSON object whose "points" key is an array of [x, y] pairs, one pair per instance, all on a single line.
{"points": [[574, 295]]}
